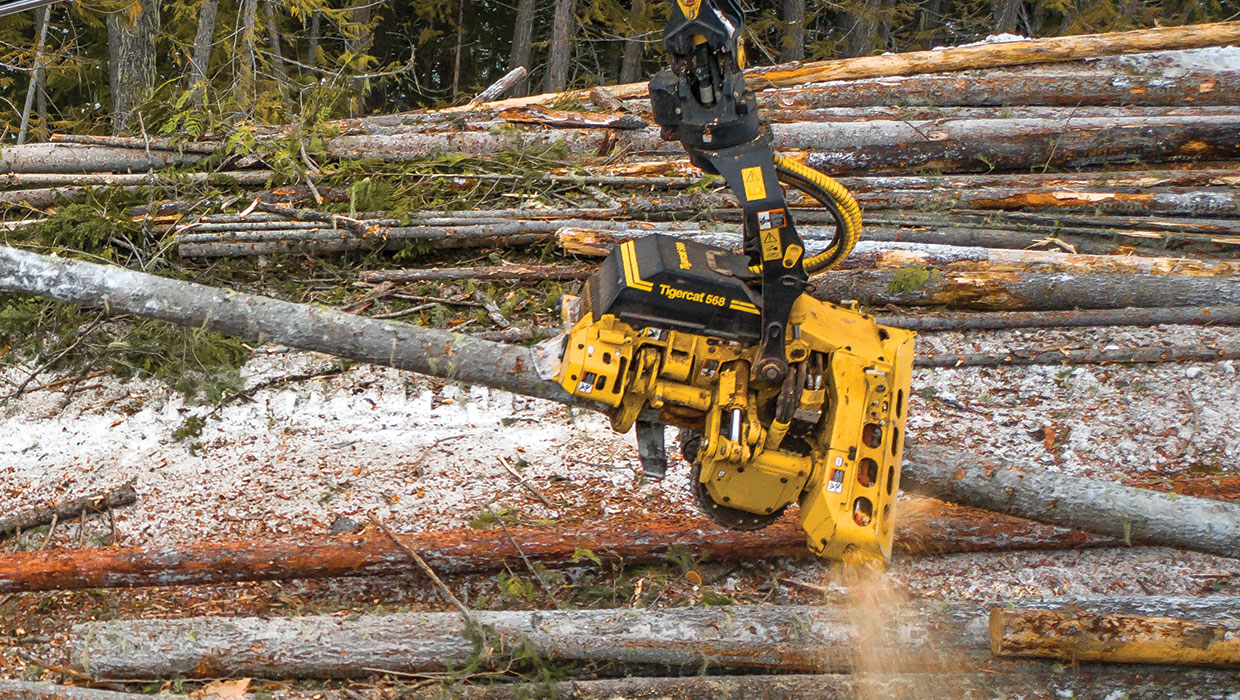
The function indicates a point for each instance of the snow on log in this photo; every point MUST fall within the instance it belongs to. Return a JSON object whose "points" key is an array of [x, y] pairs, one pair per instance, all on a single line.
{"points": [[1199, 631]]}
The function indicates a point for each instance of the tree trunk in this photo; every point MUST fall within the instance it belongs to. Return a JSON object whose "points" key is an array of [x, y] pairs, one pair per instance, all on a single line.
{"points": [[246, 89], [634, 45], [563, 31], [522, 44], [460, 46], [1004, 87], [792, 43], [1007, 12], [131, 59], [1028, 291], [758, 637], [1172, 630], [36, 77], [277, 54], [1034, 51], [1130, 514], [200, 57]]}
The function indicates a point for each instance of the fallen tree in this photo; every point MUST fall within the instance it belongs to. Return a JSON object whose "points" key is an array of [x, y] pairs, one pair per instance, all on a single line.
{"points": [[68, 510], [1094, 506], [1156, 630]]}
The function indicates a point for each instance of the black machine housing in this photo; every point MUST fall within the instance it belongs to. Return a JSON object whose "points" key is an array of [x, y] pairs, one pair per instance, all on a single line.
{"points": [[662, 282]]}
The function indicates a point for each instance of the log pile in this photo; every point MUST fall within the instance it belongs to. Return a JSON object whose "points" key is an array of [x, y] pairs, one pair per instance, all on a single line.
{"points": [[1025, 185]]}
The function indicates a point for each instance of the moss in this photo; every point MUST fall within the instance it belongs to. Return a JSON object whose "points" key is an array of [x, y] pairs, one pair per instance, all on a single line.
{"points": [[908, 279]]}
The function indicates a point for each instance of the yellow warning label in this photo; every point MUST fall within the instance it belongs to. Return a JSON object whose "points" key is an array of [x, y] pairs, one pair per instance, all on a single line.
{"points": [[770, 245], [755, 185]]}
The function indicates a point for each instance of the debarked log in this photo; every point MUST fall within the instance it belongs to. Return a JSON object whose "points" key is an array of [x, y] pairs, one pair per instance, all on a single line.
{"points": [[771, 637], [960, 477], [1159, 630]]}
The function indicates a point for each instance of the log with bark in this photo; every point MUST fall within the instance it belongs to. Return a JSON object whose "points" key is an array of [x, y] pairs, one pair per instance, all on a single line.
{"points": [[1033, 51], [498, 273], [1195, 631], [24, 690], [68, 510], [74, 158], [960, 477], [1005, 320], [757, 637], [1082, 356]]}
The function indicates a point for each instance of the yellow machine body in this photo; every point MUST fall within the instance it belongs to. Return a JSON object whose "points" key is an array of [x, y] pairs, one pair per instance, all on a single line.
{"points": [[829, 436]]}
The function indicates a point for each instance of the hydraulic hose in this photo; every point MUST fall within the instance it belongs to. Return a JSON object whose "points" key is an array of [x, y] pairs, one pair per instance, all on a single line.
{"points": [[836, 199]]}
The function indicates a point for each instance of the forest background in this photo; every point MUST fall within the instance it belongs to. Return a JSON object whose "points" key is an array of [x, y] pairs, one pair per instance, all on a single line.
{"points": [[194, 67]]}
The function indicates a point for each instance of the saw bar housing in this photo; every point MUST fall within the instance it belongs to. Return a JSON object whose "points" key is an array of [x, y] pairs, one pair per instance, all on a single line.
{"points": [[666, 334]]}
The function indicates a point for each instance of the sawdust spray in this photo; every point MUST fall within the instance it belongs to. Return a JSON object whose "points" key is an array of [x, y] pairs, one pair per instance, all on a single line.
{"points": [[895, 652]]}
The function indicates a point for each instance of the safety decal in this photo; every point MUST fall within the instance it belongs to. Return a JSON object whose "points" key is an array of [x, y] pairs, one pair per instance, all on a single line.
{"points": [[836, 484], [771, 218], [755, 184]]}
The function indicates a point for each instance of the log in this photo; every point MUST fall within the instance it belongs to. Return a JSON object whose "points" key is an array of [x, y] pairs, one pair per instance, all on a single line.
{"points": [[870, 147], [1130, 514], [244, 178], [1002, 87], [265, 320], [501, 273], [137, 142], [69, 510], [778, 114], [896, 255], [1023, 291], [73, 158], [923, 526], [1084, 318], [496, 90], [1027, 52], [1093, 506], [1138, 201], [1157, 630], [23, 690], [1040, 684], [1082, 356], [577, 120], [756, 637]]}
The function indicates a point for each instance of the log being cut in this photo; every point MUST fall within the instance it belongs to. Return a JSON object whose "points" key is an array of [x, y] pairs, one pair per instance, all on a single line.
{"points": [[953, 475]]}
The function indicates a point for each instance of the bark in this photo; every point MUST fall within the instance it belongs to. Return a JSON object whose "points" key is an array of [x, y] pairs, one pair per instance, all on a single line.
{"points": [[140, 143], [792, 46], [889, 256], [1007, 12], [759, 637], [1006, 320], [131, 59], [67, 158], [277, 54], [778, 113], [873, 147], [460, 45], [1156, 630], [522, 43], [1012, 291], [1002, 87], [62, 512], [36, 77], [1094, 355], [1135, 201], [1034, 51], [246, 88], [634, 48], [507, 273], [563, 30], [200, 57], [1099, 507], [497, 89], [261, 319], [22, 690]]}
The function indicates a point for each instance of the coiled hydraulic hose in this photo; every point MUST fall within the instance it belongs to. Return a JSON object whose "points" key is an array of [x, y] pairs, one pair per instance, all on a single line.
{"points": [[837, 200]]}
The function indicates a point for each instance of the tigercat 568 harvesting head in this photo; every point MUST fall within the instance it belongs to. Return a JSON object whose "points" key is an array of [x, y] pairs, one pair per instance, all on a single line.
{"points": [[780, 397]]}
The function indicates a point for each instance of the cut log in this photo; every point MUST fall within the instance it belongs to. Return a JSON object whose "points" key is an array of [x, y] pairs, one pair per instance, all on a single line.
{"points": [[69, 510], [1027, 52], [554, 117], [913, 113], [266, 320], [502, 273], [1099, 507], [1137, 201], [497, 89], [136, 142], [918, 286], [785, 638], [73, 158], [1094, 506], [1082, 356], [888, 256], [871, 147], [1001, 87], [1160, 630], [244, 178], [1005, 320]]}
